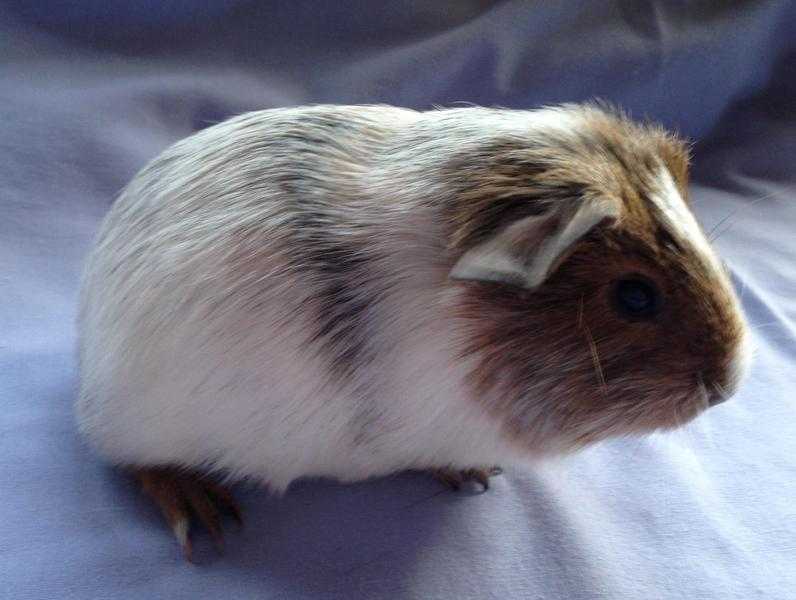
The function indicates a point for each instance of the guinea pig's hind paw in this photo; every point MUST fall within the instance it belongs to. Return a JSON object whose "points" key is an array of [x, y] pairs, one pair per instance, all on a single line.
{"points": [[455, 478], [184, 496]]}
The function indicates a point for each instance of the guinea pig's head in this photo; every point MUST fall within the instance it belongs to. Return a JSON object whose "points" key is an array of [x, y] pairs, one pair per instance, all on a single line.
{"points": [[591, 300]]}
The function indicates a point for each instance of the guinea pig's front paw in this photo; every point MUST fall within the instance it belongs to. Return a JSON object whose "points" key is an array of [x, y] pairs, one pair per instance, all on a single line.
{"points": [[455, 478], [183, 496]]}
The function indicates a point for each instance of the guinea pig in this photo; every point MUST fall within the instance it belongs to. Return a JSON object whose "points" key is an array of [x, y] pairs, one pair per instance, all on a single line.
{"points": [[351, 291]]}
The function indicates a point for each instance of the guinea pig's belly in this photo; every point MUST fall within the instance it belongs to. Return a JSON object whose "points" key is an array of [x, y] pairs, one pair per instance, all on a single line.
{"points": [[254, 404], [253, 396]]}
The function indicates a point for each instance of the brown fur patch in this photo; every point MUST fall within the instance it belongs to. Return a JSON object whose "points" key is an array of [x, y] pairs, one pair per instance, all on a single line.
{"points": [[511, 178], [559, 364]]}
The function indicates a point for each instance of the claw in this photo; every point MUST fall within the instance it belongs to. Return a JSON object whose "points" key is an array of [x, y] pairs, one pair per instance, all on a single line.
{"points": [[181, 529], [224, 501], [181, 496], [481, 477], [449, 477], [203, 508], [454, 478]]}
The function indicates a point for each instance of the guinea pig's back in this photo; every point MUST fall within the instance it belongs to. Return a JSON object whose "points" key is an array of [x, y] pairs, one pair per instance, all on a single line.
{"points": [[195, 288], [270, 297]]}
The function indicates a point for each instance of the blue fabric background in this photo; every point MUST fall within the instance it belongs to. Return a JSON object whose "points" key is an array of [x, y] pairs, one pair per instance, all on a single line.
{"points": [[91, 90]]}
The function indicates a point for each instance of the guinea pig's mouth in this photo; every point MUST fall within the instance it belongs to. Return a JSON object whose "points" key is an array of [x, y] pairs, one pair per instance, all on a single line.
{"points": [[714, 394], [688, 409], [684, 407], [642, 412], [642, 416], [674, 412]]}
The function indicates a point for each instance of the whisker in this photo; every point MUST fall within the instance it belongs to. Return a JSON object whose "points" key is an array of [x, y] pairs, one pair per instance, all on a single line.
{"points": [[720, 223], [788, 189], [598, 368], [772, 195], [742, 292], [765, 325]]}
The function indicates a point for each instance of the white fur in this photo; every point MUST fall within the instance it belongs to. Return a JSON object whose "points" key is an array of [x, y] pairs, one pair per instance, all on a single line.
{"points": [[684, 226], [682, 223]]}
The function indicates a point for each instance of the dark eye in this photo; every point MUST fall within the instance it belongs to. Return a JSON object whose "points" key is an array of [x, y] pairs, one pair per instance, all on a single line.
{"points": [[636, 298]]}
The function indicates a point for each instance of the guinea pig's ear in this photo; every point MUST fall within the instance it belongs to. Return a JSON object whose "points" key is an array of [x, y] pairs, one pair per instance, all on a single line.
{"points": [[526, 252]]}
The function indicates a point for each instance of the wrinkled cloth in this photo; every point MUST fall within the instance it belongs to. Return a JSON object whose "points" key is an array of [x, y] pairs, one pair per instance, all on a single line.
{"points": [[90, 91]]}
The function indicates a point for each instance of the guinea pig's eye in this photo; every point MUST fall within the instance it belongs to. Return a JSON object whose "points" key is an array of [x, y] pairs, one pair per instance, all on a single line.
{"points": [[636, 298]]}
